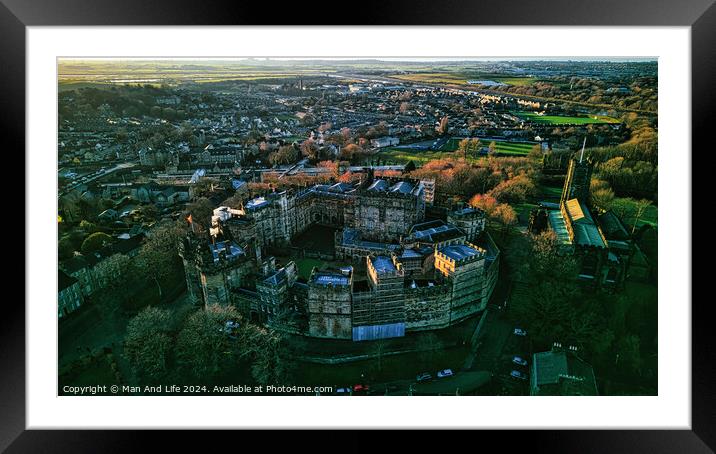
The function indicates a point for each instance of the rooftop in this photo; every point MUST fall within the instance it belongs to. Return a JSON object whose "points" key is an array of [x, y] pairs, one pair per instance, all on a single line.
{"points": [[586, 232], [382, 264], [559, 226], [459, 251], [230, 248], [403, 187], [435, 231], [257, 203], [326, 278], [378, 185], [563, 373], [466, 211]]}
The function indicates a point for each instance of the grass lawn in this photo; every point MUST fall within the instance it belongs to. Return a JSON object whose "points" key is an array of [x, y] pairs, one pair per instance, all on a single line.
{"points": [[523, 211], [550, 193], [447, 150], [565, 120], [305, 265], [419, 157], [502, 147]]}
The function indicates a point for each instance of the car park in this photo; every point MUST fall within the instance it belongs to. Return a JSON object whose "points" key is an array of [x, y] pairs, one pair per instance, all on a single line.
{"points": [[520, 361], [445, 373], [424, 376]]}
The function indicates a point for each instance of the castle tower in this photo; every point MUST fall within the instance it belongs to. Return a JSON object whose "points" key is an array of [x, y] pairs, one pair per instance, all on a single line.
{"points": [[578, 180]]}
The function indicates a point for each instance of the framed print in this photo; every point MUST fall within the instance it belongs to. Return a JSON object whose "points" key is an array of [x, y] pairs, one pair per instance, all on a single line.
{"points": [[425, 217]]}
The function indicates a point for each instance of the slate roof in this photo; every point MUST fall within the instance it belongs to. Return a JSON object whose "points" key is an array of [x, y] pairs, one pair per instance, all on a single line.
{"points": [[459, 251], [586, 232], [382, 264], [324, 278], [562, 373], [612, 227]]}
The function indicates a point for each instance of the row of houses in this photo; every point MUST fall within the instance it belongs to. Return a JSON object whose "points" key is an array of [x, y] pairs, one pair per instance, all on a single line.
{"points": [[83, 275]]}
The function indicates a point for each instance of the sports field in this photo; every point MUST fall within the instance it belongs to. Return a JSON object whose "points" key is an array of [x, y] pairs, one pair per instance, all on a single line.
{"points": [[502, 147], [399, 155], [565, 120]]}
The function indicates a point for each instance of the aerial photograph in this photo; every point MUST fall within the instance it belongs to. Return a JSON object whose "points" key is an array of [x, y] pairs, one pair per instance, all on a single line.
{"points": [[357, 226]]}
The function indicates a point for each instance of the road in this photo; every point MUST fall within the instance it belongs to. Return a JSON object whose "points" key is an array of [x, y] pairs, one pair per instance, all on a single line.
{"points": [[94, 176]]}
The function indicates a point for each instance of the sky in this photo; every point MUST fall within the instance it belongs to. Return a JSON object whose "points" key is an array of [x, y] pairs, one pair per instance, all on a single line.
{"points": [[386, 59]]}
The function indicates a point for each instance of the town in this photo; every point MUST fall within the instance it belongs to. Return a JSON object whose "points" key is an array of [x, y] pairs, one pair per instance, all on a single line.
{"points": [[359, 227]]}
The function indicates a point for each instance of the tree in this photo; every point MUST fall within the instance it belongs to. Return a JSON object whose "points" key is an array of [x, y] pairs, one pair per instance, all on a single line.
{"points": [[150, 212], [468, 146], [492, 148], [286, 154], [548, 306], [203, 348], [65, 248], [506, 216], [158, 258], [117, 270], [629, 351], [602, 198], [201, 211], [147, 343], [309, 149], [95, 242], [269, 361], [601, 194], [514, 190], [641, 206], [535, 155], [486, 203]]}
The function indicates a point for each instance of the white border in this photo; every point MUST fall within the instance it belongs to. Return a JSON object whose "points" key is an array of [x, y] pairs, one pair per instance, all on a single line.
{"points": [[671, 409]]}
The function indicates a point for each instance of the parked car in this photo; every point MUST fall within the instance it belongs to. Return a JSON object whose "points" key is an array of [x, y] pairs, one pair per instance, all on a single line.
{"points": [[520, 332], [520, 361], [445, 373], [424, 376], [359, 388], [518, 374], [343, 390]]}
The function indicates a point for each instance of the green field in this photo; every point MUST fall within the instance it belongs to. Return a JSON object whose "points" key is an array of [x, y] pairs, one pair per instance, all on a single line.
{"points": [[404, 155], [565, 120], [305, 265], [398, 156], [461, 78], [518, 148]]}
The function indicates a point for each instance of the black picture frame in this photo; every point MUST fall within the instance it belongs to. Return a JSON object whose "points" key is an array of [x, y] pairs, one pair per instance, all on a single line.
{"points": [[16, 15]]}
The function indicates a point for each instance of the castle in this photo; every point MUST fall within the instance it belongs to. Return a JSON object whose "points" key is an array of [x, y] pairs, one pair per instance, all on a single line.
{"points": [[398, 272]]}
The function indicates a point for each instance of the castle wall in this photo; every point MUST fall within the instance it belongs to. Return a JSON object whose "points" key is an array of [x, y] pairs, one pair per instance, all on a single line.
{"points": [[329, 311]]}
